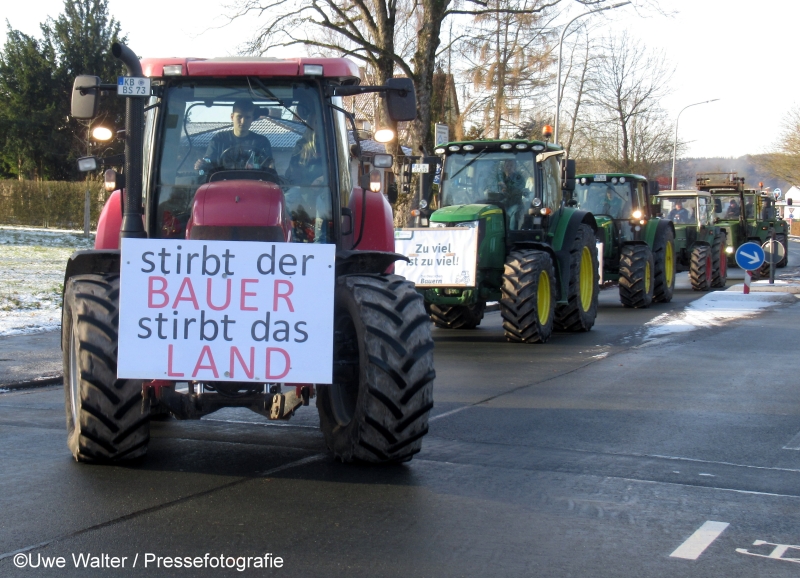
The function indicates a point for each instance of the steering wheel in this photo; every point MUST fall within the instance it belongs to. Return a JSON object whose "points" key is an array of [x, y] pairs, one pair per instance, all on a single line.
{"points": [[234, 158]]}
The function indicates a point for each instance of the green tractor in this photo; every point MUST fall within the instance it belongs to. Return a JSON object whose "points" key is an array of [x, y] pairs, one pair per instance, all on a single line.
{"points": [[534, 255], [746, 214], [700, 245], [638, 248]]}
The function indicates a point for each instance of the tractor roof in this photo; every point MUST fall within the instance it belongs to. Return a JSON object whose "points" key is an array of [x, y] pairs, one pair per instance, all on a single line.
{"points": [[690, 193], [340, 69], [515, 145], [626, 175]]}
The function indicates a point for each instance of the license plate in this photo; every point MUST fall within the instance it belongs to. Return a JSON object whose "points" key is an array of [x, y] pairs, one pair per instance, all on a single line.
{"points": [[420, 168], [600, 178], [133, 86]]}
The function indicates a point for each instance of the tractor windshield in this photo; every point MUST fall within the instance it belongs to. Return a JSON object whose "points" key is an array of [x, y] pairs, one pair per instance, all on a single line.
{"points": [[679, 210], [243, 129], [506, 179], [728, 207], [610, 198]]}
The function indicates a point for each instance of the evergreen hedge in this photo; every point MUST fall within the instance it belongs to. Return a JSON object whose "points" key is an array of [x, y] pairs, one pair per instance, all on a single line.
{"points": [[57, 204]]}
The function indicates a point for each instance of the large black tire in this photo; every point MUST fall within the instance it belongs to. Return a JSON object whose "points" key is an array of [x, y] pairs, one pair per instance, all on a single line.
{"points": [[781, 238], [106, 419], [701, 268], [528, 296], [665, 266], [457, 316], [719, 261], [580, 311], [636, 276], [377, 408]]}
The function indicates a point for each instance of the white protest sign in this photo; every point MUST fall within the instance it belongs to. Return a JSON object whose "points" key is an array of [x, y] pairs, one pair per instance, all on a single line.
{"points": [[439, 257], [226, 311]]}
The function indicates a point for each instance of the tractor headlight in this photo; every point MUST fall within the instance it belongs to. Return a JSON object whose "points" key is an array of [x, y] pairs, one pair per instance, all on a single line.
{"points": [[435, 225], [729, 250], [536, 202], [469, 224], [637, 214]]}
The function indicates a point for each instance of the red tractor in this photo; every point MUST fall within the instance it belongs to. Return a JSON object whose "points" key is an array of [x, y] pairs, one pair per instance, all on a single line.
{"points": [[250, 150]]}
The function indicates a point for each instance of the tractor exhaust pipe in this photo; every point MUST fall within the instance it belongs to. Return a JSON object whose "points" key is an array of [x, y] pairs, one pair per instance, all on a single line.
{"points": [[132, 225]]}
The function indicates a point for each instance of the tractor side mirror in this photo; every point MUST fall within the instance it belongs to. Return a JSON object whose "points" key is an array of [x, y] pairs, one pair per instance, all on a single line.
{"points": [[401, 100], [382, 161], [86, 164], [85, 95], [568, 175]]}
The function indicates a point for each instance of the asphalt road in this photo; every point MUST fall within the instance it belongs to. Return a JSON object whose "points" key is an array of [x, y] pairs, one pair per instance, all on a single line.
{"points": [[600, 454]]}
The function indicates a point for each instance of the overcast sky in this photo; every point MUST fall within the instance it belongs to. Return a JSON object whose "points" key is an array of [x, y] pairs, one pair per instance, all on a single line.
{"points": [[740, 52]]}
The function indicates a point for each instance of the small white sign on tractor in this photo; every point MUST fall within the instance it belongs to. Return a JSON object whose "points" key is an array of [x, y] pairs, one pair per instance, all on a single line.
{"points": [[438, 257], [226, 311]]}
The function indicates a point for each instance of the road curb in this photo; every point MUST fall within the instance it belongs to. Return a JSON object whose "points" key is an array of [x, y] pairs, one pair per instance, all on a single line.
{"points": [[31, 383], [495, 306]]}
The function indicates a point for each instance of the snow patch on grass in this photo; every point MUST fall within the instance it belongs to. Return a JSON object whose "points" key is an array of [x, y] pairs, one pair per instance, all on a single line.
{"points": [[32, 263], [714, 309]]}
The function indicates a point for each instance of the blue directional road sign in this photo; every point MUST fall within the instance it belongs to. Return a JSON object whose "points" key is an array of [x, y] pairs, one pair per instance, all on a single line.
{"points": [[750, 256]]}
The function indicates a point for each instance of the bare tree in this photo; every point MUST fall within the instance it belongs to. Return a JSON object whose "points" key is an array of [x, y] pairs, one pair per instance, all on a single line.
{"points": [[785, 162]]}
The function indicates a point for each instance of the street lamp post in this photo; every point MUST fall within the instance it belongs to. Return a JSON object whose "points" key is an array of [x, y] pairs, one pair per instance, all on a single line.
{"points": [[560, 48], [675, 143]]}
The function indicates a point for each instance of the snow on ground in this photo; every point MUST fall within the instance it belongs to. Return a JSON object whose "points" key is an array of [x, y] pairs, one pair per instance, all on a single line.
{"points": [[32, 263], [716, 308]]}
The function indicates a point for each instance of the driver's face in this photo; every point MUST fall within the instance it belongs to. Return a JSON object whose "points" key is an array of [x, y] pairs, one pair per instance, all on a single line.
{"points": [[241, 122]]}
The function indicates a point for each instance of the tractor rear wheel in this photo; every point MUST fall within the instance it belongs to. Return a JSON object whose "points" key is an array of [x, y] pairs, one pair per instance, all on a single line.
{"points": [[665, 266], [636, 272], [719, 261], [580, 311], [377, 408], [457, 316], [701, 268], [528, 296], [106, 419]]}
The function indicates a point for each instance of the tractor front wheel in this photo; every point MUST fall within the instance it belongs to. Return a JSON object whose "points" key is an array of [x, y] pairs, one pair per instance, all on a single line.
{"points": [[719, 261], [636, 270], [665, 266], [580, 311], [528, 296], [457, 316], [701, 268], [377, 408], [106, 419]]}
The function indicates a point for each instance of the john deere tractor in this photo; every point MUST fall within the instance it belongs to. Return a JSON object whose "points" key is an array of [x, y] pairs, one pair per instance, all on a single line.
{"points": [[638, 248], [535, 256], [699, 243], [746, 214]]}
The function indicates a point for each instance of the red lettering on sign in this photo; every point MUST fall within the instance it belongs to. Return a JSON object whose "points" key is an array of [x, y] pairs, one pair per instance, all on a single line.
{"points": [[187, 284], [245, 294], [170, 372], [212, 366], [286, 360], [151, 290], [248, 371], [285, 296], [227, 295]]}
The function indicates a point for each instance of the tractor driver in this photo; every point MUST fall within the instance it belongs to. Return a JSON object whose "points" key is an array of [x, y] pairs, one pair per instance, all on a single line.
{"points": [[733, 211], [239, 148], [678, 213]]}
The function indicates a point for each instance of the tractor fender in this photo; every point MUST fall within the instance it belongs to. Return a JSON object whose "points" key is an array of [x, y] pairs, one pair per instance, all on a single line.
{"points": [[376, 233], [654, 227], [567, 222], [109, 223], [91, 261]]}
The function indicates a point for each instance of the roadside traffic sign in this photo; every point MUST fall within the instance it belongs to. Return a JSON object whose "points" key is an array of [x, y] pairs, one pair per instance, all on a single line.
{"points": [[750, 256], [780, 251]]}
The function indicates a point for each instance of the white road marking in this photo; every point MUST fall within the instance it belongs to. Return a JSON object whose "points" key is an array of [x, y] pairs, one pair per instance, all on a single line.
{"points": [[268, 424], [794, 443], [707, 475], [776, 554], [447, 413], [697, 543]]}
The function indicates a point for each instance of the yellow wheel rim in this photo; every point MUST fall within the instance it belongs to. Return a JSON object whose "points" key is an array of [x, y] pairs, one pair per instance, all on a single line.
{"points": [[543, 298], [669, 264], [647, 277], [586, 280]]}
